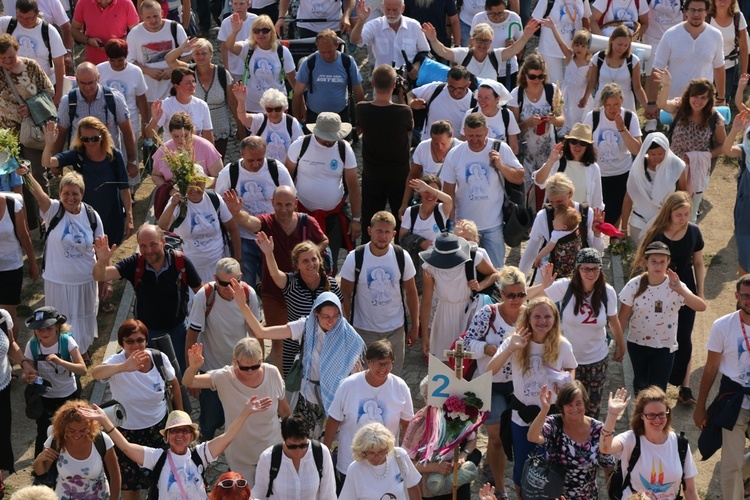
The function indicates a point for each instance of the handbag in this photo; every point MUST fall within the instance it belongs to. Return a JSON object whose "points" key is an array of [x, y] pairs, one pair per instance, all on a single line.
{"points": [[31, 134], [293, 379], [517, 216], [541, 480]]}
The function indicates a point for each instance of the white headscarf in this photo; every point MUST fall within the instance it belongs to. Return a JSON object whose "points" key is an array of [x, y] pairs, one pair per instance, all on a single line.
{"points": [[647, 197], [498, 88]]}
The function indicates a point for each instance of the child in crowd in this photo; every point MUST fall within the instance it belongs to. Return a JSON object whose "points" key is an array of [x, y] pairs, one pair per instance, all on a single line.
{"points": [[566, 222]]}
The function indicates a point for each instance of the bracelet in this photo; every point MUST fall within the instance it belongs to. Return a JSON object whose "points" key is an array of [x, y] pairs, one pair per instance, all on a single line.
{"points": [[623, 130], [24, 359], [108, 431], [651, 103], [606, 433]]}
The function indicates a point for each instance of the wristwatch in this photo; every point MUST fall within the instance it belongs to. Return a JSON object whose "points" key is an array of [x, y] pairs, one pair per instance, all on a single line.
{"points": [[357, 219]]}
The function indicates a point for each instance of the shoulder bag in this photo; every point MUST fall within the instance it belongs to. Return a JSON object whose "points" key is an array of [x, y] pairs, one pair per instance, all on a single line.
{"points": [[31, 134]]}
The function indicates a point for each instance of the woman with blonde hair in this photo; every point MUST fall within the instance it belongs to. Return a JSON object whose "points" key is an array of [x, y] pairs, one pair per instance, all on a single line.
{"points": [[267, 62], [539, 356], [725, 16]]}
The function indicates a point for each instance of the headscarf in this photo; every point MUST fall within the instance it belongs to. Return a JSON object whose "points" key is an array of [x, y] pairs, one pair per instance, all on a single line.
{"points": [[647, 197], [341, 349]]}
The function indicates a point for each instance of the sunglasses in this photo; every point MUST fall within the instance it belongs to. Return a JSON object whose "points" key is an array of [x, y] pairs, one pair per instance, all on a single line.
{"points": [[512, 296], [535, 77], [93, 138], [223, 283], [246, 368], [229, 483], [301, 446], [258, 31], [277, 109], [141, 340], [181, 430], [576, 142]]}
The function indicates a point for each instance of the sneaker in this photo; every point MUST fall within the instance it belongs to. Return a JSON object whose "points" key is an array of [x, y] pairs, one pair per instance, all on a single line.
{"points": [[686, 396]]}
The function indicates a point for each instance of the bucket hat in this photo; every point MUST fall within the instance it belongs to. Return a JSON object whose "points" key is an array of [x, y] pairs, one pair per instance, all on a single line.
{"points": [[44, 317], [329, 127]]}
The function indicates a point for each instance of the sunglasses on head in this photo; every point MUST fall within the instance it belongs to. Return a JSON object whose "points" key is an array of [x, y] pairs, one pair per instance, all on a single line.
{"points": [[229, 483], [301, 446], [93, 138], [246, 368], [258, 31], [277, 109], [535, 77]]}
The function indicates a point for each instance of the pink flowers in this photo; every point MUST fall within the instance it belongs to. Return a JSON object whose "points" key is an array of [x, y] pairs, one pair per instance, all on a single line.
{"points": [[454, 404]]}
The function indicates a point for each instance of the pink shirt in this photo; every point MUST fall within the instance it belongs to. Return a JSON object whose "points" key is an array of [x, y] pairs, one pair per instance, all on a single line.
{"points": [[106, 23], [205, 156]]}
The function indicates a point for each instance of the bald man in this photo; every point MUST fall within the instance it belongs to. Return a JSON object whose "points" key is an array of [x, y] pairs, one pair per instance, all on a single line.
{"points": [[108, 105]]}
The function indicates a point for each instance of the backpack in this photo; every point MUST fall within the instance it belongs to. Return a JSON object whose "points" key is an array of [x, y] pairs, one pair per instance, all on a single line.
{"points": [[234, 172], [49, 478], [289, 125], [491, 54], [735, 54], [153, 490], [549, 95], [109, 100], [317, 451], [600, 58], [346, 60], [13, 24], [595, 119], [251, 51], [217, 204], [306, 144], [90, 214], [563, 256], [414, 213], [421, 118], [359, 257], [617, 484], [470, 365], [179, 263], [210, 291], [505, 115], [62, 347]]}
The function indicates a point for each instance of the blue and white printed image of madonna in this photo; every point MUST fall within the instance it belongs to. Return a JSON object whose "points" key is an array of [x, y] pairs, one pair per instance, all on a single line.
{"points": [[608, 146], [203, 224], [382, 284], [265, 73], [743, 361], [277, 144], [256, 198], [75, 240], [665, 11], [477, 181], [371, 411]]}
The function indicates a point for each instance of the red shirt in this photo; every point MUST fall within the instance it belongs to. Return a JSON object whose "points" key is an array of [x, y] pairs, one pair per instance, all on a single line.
{"points": [[282, 248], [106, 23]]}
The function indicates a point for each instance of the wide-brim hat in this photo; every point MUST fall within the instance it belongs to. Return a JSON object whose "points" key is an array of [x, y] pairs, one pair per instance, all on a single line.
{"points": [[329, 127], [448, 252], [582, 132], [179, 418], [44, 317]]}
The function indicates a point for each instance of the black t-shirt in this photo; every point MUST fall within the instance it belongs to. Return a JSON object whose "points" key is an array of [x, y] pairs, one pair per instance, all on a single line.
{"points": [[437, 13], [682, 253], [161, 301], [385, 139]]}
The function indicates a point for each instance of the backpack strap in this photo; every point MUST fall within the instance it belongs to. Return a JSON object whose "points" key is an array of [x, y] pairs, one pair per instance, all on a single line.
{"points": [[562, 164], [303, 223], [469, 271], [158, 363], [262, 125], [273, 169], [310, 61], [289, 124], [10, 207], [173, 29], [62, 346], [179, 262], [12, 25], [468, 58], [72, 110], [34, 347], [222, 73], [682, 449], [401, 262], [549, 93], [583, 227], [346, 60], [210, 292], [101, 448], [493, 61], [434, 96], [234, 174], [342, 153], [140, 268], [109, 100], [439, 218], [594, 120], [275, 466], [317, 451], [548, 10], [280, 53], [45, 40], [566, 299], [153, 490], [359, 257], [634, 456], [628, 118], [303, 149], [413, 213], [505, 113], [550, 211]]}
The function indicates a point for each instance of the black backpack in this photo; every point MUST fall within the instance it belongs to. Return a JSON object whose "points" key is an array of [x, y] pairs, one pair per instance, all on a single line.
{"points": [[595, 115], [234, 172], [13, 24], [359, 258], [493, 60], [10, 207], [735, 54], [289, 125], [317, 451], [414, 213], [421, 116], [583, 208], [109, 101], [153, 490]]}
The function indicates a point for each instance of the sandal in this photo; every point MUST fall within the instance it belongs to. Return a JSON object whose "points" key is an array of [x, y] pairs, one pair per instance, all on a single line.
{"points": [[686, 396]]}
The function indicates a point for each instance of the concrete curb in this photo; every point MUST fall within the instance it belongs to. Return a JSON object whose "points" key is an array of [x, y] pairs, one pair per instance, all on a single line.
{"points": [[627, 367]]}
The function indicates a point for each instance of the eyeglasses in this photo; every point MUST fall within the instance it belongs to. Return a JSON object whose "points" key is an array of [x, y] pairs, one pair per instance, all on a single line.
{"points": [[535, 77], [513, 296], [654, 416], [451, 88], [744, 296], [246, 368], [376, 453], [495, 15], [383, 364], [277, 109], [225, 283], [696, 11], [140, 340], [301, 446], [482, 41], [229, 483], [576, 142], [181, 430], [590, 270], [93, 138], [258, 31]]}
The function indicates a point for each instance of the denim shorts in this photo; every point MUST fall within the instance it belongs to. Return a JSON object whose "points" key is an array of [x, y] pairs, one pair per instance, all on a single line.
{"points": [[501, 392]]}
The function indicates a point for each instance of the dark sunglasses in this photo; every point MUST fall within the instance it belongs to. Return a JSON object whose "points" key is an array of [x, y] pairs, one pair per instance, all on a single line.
{"points": [[512, 296], [246, 368], [301, 446], [258, 31], [93, 138], [576, 142], [278, 109], [535, 77], [229, 483], [223, 283], [140, 340]]}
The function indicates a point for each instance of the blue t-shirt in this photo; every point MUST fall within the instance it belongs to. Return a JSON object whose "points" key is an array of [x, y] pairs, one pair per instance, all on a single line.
{"points": [[9, 181], [329, 83]]}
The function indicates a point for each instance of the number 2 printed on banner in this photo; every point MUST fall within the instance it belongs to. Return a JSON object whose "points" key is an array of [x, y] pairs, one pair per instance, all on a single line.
{"points": [[444, 381]]}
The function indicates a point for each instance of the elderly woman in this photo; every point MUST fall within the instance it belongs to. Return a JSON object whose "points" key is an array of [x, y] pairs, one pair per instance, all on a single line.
{"points": [[72, 227], [559, 191], [267, 62], [617, 136], [375, 395], [185, 465], [278, 128], [183, 99], [76, 448], [492, 97], [380, 469], [28, 79], [571, 439], [657, 172], [139, 385], [214, 84], [480, 59], [488, 329], [576, 156], [502, 19], [201, 218], [247, 376], [651, 430]]}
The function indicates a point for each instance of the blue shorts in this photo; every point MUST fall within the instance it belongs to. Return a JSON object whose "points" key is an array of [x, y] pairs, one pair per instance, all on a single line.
{"points": [[501, 392]]}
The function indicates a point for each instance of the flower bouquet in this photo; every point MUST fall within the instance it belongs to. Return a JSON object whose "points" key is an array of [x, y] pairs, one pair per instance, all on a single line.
{"points": [[182, 165], [10, 151]]}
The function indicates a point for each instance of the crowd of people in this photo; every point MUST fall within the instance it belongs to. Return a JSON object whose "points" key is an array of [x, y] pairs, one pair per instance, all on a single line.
{"points": [[263, 245]]}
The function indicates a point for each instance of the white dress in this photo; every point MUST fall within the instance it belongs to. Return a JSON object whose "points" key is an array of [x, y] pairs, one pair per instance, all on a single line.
{"points": [[574, 86], [621, 76]]}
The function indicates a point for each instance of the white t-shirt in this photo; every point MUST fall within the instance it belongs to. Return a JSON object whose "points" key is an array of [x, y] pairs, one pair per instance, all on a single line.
{"points": [[318, 9], [444, 107], [31, 44], [196, 108], [619, 10], [320, 176], [501, 34], [586, 332], [377, 305], [614, 158], [63, 381], [528, 385], [190, 475], [361, 483], [81, 478], [235, 64], [130, 82], [663, 14], [150, 49], [423, 156], [653, 322], [223, 328], [142, 394], [726, 338], [53, 11], [424, 228], [263, 73], [357, 404], [70, 246], [254, 188], [568, 18], [469, 9], [276, 135], [687, 57], [201, 230], [727, 32], [11, 256], [496, 126], [658, 469], [482, 69], [479, 195]]}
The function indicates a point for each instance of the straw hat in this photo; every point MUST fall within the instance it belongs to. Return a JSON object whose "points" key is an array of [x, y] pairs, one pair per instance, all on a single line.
{"points": [[179, 418], [582, 132]]}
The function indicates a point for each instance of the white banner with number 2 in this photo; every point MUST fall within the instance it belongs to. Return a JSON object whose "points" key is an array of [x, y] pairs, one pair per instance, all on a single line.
{"points": [[442, 383]]}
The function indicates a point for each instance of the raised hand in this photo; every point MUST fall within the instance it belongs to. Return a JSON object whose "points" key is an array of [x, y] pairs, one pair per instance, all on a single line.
{"points": [[547, 23], [519, 339], [255, 405], [557, 152], [233, 202], [136, 361], [418, 185], [429, 31], [487, 492], [156, 111], [363, 11], [264, 243], [240, 91], [545, 398], [548, 274], [237, 292], [50, 132], [662, 76], [742, 120], [674, 281], [97, 414], [195, 355], [531, 28], [598, 215], [618, 402], [236, 23], [102, 248]]}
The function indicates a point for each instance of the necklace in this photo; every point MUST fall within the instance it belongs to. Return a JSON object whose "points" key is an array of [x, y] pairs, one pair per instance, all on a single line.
{"points": [[372, 387], [571, 12], [379, 476]]}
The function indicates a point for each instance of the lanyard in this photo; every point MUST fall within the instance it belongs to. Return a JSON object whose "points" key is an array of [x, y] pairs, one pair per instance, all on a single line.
{"points": [[744, 333], [176, 475]]}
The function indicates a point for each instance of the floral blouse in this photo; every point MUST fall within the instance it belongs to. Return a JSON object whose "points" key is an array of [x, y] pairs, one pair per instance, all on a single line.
{"points": [[581, 460], [29, 82], [693, 136]]}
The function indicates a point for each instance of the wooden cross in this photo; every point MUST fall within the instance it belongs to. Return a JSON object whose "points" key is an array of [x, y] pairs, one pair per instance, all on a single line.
{"points": [[459, 355]]}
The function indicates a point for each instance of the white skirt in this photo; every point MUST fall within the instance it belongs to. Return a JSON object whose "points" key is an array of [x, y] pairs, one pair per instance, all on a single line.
{"points": [[80, 304]]}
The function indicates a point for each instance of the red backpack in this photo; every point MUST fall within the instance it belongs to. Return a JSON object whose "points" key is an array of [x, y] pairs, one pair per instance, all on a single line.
{"points": [[470, 365]]}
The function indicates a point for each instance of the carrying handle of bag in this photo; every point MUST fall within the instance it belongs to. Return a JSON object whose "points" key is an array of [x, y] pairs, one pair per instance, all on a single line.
{"points": [[13, 86]]}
